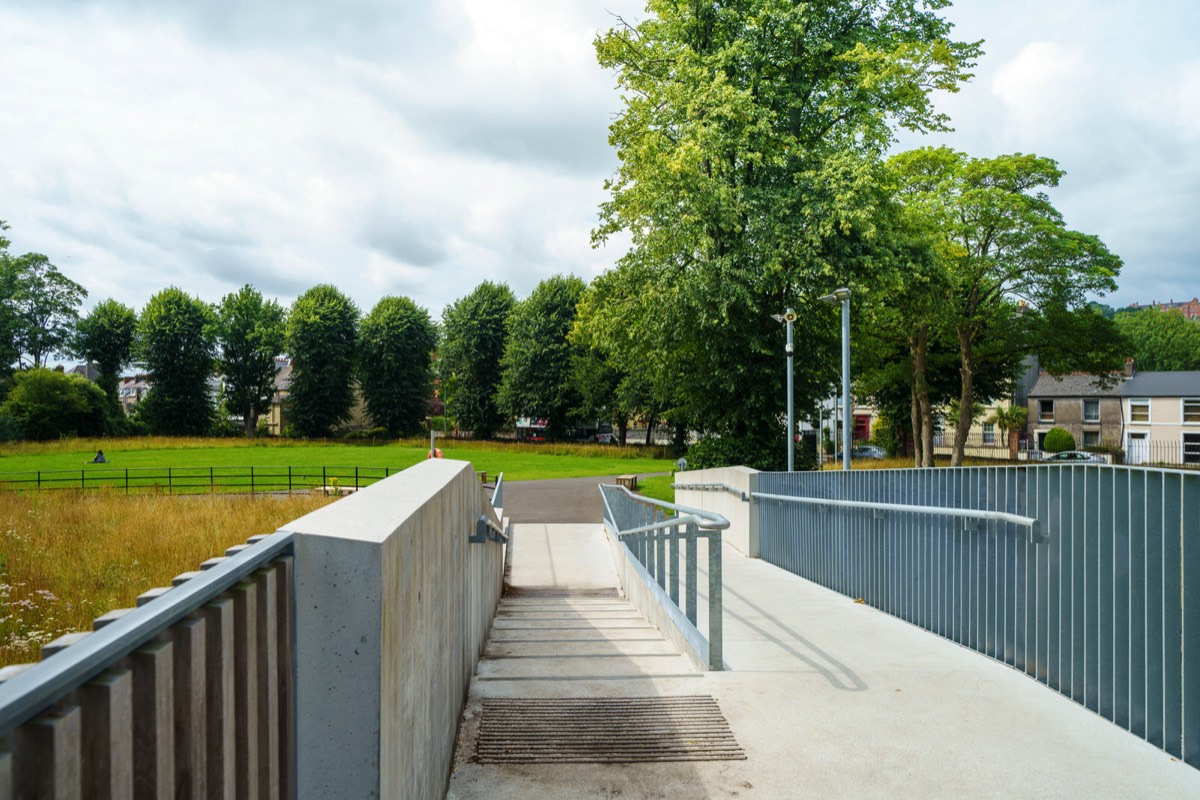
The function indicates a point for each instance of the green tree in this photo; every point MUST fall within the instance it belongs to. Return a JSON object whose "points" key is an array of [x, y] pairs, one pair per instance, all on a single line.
{"points": [[395, 343], [1005, 242], [176, 342], [538, 378], [46, 306], [1057, 440], [249, 332], [49, 404], [322, 329], [105, 337], [473, 336], [746, 182], [8, 315], [1161, 340]]}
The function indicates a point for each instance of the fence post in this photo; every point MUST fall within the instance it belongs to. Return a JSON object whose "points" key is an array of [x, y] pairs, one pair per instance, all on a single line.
{"points": [[127, 480], [83, 479], [39, 480], [252, 481], [324, 480], [289, 479], [212, 485], [170, 490], [356, 477]]}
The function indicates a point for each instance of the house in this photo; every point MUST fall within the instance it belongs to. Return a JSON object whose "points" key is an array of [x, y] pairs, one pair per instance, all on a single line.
{"points": [[1083, 405], [1189, 308], [1161, 415], [131, 390]]}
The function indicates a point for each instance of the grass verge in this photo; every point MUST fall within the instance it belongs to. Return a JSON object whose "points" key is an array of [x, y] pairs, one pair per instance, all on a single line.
{"points": [[67, 557]]}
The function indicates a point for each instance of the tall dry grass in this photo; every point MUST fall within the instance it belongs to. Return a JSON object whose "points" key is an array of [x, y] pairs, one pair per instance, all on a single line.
{"points": [[67, 557]]}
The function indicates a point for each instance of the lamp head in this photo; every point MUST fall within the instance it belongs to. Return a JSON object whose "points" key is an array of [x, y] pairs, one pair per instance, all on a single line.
{"points": [[838, 296]]}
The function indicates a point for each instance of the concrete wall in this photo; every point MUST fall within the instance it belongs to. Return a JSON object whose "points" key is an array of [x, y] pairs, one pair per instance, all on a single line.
{"points": [[742, 516], [393, 608]]}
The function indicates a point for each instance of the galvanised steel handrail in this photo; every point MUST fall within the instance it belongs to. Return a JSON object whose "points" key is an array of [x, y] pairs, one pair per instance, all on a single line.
{"points": [[40, 686], [498, 492], [1035, 531], [712, 487], [655, 545]]}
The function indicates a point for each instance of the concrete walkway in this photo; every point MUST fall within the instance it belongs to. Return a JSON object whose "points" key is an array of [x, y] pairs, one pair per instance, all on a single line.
{"points": [[827, 698]]}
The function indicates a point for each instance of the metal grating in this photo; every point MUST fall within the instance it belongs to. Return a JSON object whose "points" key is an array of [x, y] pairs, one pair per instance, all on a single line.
{"points": [[617, 730]]}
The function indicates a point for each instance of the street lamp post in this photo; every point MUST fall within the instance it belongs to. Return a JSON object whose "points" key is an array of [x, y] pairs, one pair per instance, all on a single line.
{"points": [[789, 317], [842, 296]]}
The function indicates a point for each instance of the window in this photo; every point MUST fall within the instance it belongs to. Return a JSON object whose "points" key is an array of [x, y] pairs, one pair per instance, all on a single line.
{"points": [[1139, 410], [1045, 411], [1091, 410], [1191, 412], [1191, 448], [1091, 438], [989, 433]]}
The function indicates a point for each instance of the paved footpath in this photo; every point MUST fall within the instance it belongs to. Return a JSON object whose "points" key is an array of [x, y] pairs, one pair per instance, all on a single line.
{"points": [[826, 698]]}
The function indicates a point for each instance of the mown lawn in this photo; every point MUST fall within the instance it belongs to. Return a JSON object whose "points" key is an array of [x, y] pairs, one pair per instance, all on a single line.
{"points": [[516, 461]]}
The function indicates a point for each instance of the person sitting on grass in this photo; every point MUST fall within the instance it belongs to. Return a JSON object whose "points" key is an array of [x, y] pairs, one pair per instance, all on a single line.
{"points": [[99, 459]]}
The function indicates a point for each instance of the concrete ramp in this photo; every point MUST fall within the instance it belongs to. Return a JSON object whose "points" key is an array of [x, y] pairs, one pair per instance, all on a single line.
{"points": [[560, 559]]}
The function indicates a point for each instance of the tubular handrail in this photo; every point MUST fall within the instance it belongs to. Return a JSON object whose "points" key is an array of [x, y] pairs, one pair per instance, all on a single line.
{"points": [[713, 487], [655, 547], [35, 689], [498, 492], [962, 513], [706, 520]]}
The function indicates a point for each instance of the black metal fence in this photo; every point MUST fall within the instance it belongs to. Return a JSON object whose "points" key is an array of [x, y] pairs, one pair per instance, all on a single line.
{"points": [[199, 480]]}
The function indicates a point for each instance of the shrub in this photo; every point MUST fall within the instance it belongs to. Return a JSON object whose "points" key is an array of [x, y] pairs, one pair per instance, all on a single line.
{"points": [[1057, 440], [757, 453], [49, 404]]}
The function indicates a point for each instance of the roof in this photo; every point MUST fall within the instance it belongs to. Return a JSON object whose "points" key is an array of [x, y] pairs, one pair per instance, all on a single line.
{"points": [[1162, 384], [1077, 384]]}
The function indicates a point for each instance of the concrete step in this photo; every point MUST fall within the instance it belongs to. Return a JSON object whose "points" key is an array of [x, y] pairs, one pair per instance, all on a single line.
{"points": [[579, 666], [578, 647], [535, 633]]}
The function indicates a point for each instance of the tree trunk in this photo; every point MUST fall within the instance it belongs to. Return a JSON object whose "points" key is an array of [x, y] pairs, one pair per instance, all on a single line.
{"points": [[915, 412], [622, 430], [966, 398], [252, 425], [923, 429], [649, 431]]}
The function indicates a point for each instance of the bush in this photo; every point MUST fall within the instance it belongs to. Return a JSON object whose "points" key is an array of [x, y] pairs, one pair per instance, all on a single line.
{"points": [[49, 404], [754, 452], [1057, 440], [367, 433]]}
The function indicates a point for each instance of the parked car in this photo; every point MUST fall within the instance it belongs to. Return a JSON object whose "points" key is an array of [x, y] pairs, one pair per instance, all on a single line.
{"points": [[1076, 457], [865, 451]]}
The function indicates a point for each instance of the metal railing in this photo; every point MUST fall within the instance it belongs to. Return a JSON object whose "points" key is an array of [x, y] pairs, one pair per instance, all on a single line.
{"points": [[498, 492], [712, 487], [654, 538], [198, 480], [200, 677], [1102, 605]]}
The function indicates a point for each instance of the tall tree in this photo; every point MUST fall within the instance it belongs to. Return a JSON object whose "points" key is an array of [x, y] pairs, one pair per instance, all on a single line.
{"points": [[395, 344], [1161, 340], [746, 146], [1005, 243], [250, 335], [176, 342], [473, 336], [8, 315], [46, 304], [105, 337], [538, 356], [322, 330]]}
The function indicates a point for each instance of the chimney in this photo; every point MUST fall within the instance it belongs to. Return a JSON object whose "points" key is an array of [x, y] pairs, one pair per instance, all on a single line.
{"points": [[1129, 368]]}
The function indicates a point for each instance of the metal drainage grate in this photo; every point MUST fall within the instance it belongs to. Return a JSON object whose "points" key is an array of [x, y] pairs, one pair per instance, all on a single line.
{"points": [[626, 730]]}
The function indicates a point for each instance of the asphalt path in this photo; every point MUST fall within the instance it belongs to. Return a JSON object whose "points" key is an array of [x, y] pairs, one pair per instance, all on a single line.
{"points": [[572, 500]]}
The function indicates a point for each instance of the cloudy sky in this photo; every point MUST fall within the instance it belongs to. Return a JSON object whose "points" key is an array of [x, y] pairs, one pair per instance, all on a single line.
{"points": [[419, 148]]}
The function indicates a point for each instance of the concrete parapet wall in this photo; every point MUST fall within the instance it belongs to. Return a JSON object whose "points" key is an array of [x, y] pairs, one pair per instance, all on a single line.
{"points": [[393, 610], [743, 516]]}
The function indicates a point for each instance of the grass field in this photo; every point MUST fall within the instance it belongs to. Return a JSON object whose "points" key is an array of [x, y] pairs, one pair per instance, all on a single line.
{"points": [[516, 461], [68, 557]]}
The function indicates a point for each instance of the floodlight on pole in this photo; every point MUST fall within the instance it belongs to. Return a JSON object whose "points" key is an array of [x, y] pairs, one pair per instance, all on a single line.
{"points": [[842, 296], [789, 317]]}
